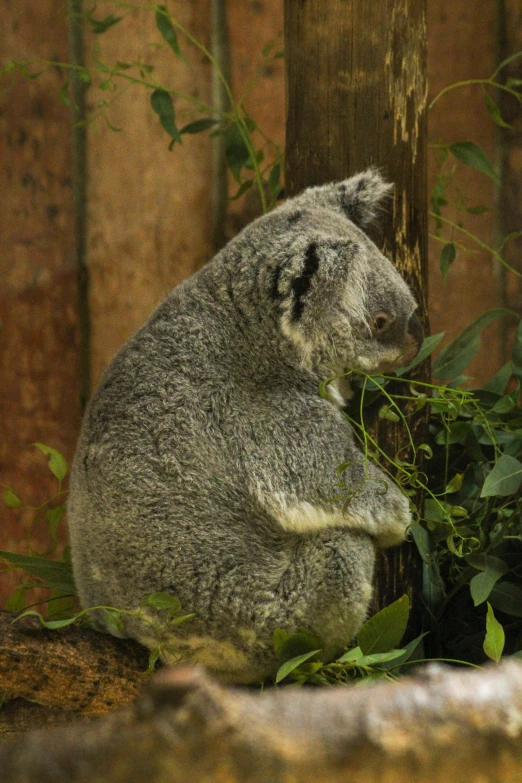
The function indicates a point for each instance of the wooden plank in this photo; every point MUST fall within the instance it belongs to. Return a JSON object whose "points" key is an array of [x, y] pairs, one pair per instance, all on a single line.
{"points": [[39, 398], [463, 45], [149, 210], [252, 27], [510, 197]]}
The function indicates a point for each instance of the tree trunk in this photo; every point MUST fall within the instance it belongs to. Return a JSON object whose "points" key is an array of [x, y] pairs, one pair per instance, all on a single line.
{"points": [[356, 97]]}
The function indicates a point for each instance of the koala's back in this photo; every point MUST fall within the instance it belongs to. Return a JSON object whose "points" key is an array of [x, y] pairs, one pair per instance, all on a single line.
{"points": [[178, 442]]}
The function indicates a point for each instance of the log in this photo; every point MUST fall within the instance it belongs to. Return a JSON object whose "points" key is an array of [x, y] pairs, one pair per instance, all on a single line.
{"points": [[442, 726], [73, 670]]}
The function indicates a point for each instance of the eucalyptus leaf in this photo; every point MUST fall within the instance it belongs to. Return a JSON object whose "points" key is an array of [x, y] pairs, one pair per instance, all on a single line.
{"points": [[428, 346], [455, 357], [516, 352], [482, 584], [507, 598], [236, 150], [500, 380], [274, 185], [505, 478], [57, 462], [56, 573], [494, 112], [447, 257], [384, 631], [11, 499], [289, 645], [51, 624], [293, 663], [163, 601], [198, 126], [161, 102], [495, 637], [99, 26], [472, 155], [166, 28]]}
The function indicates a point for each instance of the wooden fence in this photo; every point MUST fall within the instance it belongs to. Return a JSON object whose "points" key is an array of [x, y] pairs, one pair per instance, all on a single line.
{"points": [[144, 220]]}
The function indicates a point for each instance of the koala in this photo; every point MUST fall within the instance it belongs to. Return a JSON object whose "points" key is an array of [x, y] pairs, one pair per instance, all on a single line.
{"points": [[207, 465]]}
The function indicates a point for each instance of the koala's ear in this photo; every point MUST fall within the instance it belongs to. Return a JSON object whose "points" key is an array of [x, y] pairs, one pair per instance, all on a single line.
{"points": [[361, 197]]}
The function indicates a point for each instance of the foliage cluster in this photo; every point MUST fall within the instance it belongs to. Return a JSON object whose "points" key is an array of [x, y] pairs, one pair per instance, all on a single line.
{"points": [[469, 468]]}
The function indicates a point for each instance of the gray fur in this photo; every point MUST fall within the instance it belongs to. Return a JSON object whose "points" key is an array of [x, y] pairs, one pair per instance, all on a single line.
{"points": [[206, 466]]}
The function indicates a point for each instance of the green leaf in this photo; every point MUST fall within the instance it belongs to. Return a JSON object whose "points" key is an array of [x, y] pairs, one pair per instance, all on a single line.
{"points": [[101, 25], [351, 656], [64, 94], [54, 517], [57, 462], [161, 102], [472, 155], [516, 353], [289, 645], [505, 478], [384, 631], [494, 112], [499, 381], [198, 126], [407, 653], [16, 601], [377, 658], [180, 620], [11, 499], [495, 637], [385, 412], [455, 484], [274, 185], [507, 598], [166, 28], [114, 621], [246, 185], [479, 209], [482, 584], [51, 624], [153, 657], [428, 346], [447, 257], [56, 573], [236, 151], [455, 357], [163, 601], [293, 663]]}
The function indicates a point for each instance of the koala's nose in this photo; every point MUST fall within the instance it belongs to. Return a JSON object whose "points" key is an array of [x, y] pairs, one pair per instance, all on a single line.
{"points": [[414, 338], [415, 329]]}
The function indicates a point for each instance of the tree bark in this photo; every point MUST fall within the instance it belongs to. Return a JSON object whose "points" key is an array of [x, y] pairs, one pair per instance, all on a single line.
{"points": [[73, 670], [446, 725], [356, 97]]}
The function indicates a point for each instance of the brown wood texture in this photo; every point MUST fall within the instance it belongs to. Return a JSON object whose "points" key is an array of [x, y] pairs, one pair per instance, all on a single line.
{"points": [[463, 45], [72, 670], [149, 210], [39, 337], [259, 81], [510, 139], [445, 726], [356, 82]]}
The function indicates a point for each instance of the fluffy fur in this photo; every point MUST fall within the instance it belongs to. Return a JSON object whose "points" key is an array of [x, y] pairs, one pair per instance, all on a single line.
{"points": [[206, 467]]}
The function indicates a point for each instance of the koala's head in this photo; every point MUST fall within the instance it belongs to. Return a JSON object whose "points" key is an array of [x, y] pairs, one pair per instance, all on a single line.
{"points": [[336, 299]]}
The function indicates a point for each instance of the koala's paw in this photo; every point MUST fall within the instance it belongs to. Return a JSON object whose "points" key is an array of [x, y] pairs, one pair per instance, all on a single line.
{"points": [[394, 519]]}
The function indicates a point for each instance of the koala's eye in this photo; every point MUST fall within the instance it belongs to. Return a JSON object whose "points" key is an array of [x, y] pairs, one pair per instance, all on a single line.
{"points": [[380, 323]]}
